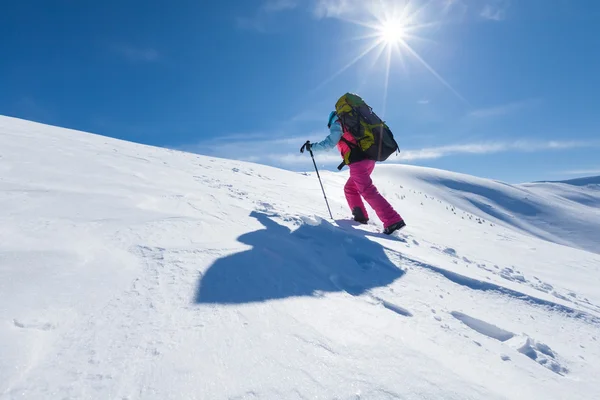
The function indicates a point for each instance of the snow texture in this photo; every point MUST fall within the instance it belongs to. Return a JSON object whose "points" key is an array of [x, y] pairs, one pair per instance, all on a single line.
{"points": [[135, 272]]}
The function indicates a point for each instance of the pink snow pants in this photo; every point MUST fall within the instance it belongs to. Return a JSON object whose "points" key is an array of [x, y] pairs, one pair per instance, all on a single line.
{"points": [[360, 184]]}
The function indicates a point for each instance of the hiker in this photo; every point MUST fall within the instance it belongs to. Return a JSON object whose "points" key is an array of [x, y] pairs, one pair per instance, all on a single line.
{"points": [[359, 184]]}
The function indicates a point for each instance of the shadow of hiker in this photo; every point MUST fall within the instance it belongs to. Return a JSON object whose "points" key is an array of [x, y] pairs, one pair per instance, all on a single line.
{"points": [[285, 264]]}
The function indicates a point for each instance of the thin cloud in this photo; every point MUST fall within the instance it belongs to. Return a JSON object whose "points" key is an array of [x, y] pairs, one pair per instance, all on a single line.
{"points": [[423, 102], [279, 5], [297, 159], [337, 8], [332, 158], [137, 54], [448, 10], [284, 152], [431, 153], [351, 9], [593, 171], [258, 22], [257, 147], [450, 6], [505, 109], [308, 116], [495, 11]]}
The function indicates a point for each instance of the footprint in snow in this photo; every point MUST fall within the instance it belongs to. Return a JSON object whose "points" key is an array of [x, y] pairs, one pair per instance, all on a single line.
{"points": [[37, 325], [536, 351], [543, 355], [450, 251]]}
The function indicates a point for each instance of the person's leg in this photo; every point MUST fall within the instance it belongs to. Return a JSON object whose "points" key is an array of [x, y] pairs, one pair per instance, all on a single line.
{"points": [[355, 201], [361, 177]]}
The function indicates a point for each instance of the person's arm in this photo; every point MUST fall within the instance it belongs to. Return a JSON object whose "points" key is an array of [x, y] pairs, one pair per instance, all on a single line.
{"points": [[335, 133]]}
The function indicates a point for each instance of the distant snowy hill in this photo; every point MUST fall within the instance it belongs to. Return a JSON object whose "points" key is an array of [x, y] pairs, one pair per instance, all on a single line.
{"points": [[562, 212], [587, 181], [134, 272]]}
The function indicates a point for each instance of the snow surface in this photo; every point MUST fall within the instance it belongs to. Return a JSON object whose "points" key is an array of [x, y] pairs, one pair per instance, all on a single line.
{"points": [[134, 272]]}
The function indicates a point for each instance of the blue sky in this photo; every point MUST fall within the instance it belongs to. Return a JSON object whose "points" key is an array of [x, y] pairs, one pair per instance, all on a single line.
{"points": [[505, 89]]}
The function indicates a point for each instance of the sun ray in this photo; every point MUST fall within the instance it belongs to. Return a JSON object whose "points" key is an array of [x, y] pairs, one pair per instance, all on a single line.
{"points": [[351, 63], [387, 80], [380, 49], [371, 35], [414, 38], [415, 14], [397, 47], [433, 71]]}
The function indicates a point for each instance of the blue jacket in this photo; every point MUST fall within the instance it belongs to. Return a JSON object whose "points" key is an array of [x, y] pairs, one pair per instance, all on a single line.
{"points": [[335, 134]]}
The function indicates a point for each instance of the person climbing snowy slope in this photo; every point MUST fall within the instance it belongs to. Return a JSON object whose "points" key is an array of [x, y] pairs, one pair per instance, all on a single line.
{"points": [[359, 185]]}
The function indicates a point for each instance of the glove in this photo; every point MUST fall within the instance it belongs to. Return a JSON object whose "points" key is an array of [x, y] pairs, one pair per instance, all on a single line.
{"points": [[305, 146]]}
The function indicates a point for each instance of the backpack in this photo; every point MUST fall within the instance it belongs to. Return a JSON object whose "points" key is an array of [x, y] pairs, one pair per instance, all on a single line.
{"points": [[374, 138]]}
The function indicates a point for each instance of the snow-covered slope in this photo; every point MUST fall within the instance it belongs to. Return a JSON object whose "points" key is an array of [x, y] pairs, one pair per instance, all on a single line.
{"points": [[562, 212], [133, 272]]}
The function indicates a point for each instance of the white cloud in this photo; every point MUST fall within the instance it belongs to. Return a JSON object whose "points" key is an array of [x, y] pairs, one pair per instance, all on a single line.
{"points": [[505, 109], [137, 54], [423, 102]]}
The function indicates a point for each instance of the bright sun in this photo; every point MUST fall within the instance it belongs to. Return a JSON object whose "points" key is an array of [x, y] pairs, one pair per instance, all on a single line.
{"points": [[392, 32], [392, 28]]}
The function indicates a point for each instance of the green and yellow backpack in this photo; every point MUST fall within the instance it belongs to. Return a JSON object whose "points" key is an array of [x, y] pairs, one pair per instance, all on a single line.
{"points": [[374, 138]]}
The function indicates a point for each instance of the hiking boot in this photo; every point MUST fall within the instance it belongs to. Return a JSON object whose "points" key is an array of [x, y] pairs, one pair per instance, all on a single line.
{"points": [[359, 216], [394, 227]]}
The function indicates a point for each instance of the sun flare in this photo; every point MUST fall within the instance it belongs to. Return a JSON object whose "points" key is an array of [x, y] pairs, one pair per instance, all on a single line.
{"points": [[392, 32]]}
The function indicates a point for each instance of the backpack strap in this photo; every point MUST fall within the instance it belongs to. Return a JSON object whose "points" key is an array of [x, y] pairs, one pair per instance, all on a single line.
{"points": [[352, 147], [349, 143], [356, 153]]}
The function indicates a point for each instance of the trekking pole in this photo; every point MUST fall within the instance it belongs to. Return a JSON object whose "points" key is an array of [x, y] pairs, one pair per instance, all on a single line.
{"points": [[307, 146]]}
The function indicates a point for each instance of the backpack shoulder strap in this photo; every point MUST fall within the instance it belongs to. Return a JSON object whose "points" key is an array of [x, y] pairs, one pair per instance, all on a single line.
{"points": [[349, 143]]}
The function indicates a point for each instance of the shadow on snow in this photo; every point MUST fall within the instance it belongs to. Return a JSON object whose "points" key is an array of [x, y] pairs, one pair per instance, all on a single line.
{"points": [[305, 262]]}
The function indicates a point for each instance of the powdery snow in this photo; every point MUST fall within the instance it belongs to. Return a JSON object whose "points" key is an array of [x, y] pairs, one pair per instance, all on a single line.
{"points": [[134, 272]]}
